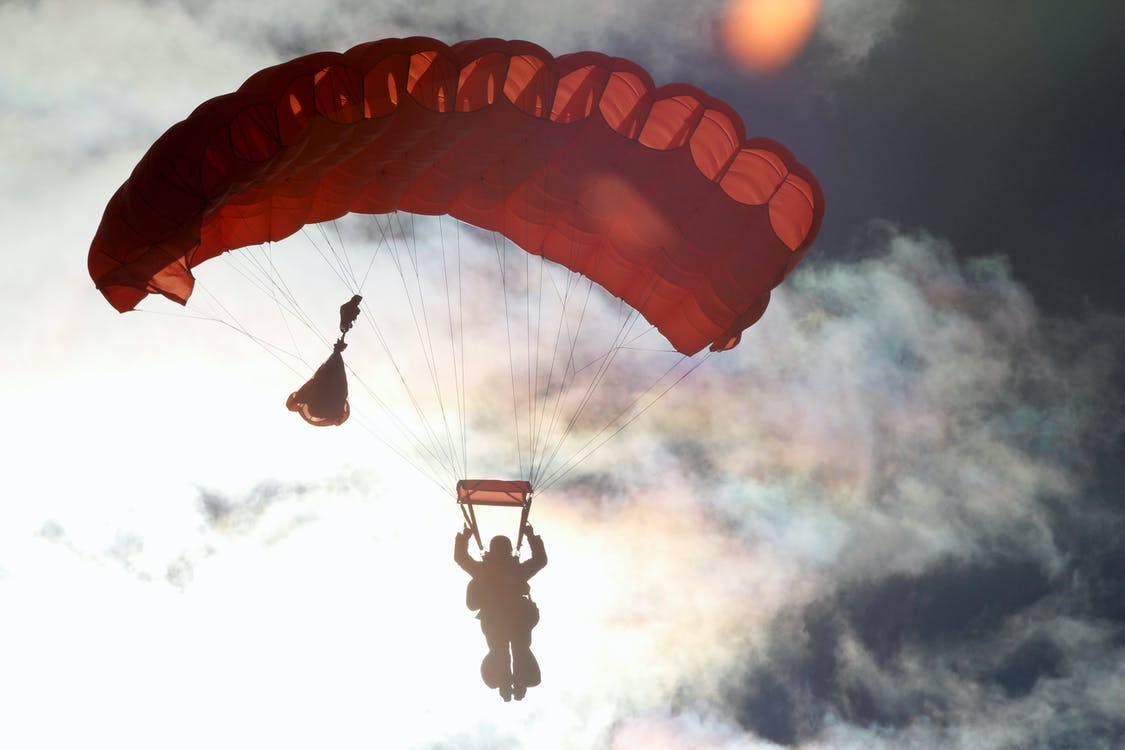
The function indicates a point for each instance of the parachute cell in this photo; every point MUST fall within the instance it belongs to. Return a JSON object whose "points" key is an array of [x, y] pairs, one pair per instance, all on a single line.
{"points": [[653, 193]]}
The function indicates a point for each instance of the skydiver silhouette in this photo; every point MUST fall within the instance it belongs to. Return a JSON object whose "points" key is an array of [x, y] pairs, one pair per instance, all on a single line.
{"points": [[500, 590]]}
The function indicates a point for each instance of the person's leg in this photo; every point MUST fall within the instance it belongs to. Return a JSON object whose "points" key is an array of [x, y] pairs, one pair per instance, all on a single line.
{"points": [[496, 668], [525, 668]]}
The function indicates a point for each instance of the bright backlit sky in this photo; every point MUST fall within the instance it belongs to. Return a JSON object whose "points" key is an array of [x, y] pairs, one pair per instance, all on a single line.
{"points": [[888, 519]]}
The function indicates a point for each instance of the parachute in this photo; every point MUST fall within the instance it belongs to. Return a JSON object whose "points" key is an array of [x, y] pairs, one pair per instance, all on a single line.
{"points": [[652, 193]]}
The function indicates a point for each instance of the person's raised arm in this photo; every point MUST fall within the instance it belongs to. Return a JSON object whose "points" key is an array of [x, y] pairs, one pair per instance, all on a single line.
{"points": [[538, 553], [461, 552]]}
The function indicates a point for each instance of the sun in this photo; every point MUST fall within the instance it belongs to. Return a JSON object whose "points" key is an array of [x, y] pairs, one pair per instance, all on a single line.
{"points": [[765, 35]]}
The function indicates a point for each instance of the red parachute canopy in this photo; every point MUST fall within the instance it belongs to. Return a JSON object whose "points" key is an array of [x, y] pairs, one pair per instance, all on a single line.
{"points": [[654, 193]]}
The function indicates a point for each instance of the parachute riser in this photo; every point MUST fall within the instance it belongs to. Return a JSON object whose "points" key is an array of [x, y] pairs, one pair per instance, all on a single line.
{"points": [[471, 521], [523, 523]]}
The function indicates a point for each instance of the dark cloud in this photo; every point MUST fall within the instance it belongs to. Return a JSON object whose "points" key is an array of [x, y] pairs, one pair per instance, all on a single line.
{"points": [[945, 647], [948, 603], [948, 608], [1020, 670], [219, 508], [1102, 571]]}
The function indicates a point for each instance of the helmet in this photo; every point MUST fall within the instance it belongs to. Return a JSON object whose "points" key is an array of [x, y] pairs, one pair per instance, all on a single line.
{"points": [[501, 546]]}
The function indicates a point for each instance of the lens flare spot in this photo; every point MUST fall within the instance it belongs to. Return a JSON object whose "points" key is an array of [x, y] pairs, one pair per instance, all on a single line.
{"points": [[765, 35]]}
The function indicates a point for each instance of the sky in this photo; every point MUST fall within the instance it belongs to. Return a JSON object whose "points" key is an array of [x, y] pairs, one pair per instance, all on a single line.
{"points": [[891, 517]]}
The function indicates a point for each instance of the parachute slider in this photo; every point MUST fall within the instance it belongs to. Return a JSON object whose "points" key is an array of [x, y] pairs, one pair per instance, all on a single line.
{"points": [[496, 492], [493, 492]]}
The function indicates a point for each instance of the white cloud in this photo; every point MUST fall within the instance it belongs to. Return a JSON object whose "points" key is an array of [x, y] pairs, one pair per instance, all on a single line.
{"points": [[853, 29], [661, 32], [926, 405]]}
